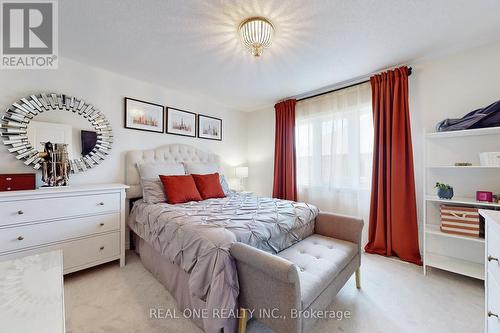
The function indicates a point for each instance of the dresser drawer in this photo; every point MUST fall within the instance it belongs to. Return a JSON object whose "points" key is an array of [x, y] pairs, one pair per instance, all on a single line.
{"points": [[90, 250], [493, 249], [21, 237], [22, 211], [493, 305], [79, 253]]}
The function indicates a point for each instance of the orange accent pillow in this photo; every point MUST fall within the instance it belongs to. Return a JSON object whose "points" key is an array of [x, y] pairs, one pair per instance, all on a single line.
{"points": [[209, 186], [180, 189]]}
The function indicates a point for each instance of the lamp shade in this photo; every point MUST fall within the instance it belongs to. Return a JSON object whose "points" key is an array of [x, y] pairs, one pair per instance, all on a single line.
{"points": [[241, 172]]}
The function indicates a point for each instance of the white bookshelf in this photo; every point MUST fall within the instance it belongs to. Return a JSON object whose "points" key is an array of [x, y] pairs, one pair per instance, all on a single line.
{"points": [[459, 254], [470, 167], [464, 133], [435, 230], [456, 265], [460, 201]]}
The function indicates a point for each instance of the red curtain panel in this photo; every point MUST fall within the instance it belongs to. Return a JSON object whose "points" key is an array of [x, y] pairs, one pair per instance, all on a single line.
{"points": [[284, 151], [393, 226]]}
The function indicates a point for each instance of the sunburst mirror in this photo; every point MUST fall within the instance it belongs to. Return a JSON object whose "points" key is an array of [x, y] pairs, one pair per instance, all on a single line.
{"points": [[36, 119]]}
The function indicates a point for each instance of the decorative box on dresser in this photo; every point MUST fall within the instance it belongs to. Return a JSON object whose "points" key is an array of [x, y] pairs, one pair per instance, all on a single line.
{"points": [[86, 222], [492, 270], [17, 181]]}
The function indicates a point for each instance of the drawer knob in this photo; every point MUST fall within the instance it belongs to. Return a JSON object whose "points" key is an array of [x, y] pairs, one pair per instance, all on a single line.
{"points": [[490, 258], [20, 238], [100, 203], [491, 314], [101, 224], [8, 178], [20, 212], [8, 188], [101, 248]]}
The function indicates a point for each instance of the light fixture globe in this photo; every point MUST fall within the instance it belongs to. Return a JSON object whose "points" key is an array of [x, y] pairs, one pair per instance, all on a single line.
{"points": [[256, 34]]}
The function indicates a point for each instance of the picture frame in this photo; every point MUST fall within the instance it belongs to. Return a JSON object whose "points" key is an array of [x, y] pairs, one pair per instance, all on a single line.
{"points": [[144, 116], [181, 122], [209, 128]]}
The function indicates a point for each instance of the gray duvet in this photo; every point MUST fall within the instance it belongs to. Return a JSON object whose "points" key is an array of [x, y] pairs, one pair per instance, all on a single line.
{"points": [[197, 235]]}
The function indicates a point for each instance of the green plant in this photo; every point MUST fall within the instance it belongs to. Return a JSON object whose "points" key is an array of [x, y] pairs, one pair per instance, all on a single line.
{"points": [[442, 186]]}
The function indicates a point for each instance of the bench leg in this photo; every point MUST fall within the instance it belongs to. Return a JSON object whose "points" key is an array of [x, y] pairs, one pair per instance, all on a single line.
{"points": [[358, 278], [242, 323]]}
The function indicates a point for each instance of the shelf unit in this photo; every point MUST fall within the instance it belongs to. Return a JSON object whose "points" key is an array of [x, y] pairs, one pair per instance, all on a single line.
{"points": [[464, 133], [460, 201], [472, 167], [456, 265], [435, 230], [459, 254]]}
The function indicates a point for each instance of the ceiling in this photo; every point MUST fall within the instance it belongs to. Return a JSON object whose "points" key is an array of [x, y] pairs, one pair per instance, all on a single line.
{"points": [[193, 46]]}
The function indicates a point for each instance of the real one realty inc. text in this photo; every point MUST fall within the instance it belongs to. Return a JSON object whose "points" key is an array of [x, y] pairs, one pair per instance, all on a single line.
{"points": [[274, 313]]}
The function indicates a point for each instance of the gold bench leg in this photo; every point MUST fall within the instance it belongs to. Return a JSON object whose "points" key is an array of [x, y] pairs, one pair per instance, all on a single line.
{"points": [[358, 278], [242, 323]]}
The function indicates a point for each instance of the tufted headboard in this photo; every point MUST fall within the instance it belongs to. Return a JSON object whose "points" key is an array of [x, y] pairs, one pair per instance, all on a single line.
{"points": [[168, 153]]}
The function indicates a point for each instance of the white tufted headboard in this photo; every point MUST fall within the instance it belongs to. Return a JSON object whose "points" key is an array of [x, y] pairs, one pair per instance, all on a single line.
{"points": [[169, 153]]}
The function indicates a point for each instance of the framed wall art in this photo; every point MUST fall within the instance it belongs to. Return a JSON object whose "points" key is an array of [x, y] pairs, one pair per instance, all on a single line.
{"points": [[209, 128], [180, 122], [144, 116]]}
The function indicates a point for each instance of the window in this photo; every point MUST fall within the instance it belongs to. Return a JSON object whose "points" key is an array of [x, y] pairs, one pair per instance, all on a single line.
{"points": [[334, 147]]}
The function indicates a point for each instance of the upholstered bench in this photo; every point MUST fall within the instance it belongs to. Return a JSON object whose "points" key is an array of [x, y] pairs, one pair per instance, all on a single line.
{"points": [[283, 291]]}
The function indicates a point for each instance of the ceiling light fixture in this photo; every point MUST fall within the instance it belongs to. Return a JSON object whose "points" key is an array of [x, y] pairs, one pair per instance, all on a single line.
{"points": [[256, 34]]}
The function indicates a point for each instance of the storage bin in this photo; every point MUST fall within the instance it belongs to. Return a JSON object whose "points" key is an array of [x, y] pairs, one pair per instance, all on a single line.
{"points": [[458, 220]]}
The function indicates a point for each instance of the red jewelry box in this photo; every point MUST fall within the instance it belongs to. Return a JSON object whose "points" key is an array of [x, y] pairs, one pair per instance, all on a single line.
{"points": [[17, 181], [484, 196]]}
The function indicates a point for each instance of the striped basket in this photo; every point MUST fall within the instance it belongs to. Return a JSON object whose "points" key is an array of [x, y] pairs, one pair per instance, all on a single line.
{"points": [[462, 221]]}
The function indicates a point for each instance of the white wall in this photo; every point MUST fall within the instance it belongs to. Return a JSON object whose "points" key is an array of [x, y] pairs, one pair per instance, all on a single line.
{"points": [[106, 91], [442, 88], [261, 151]]}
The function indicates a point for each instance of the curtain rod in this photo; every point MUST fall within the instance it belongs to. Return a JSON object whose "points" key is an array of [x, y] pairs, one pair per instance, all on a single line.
{"points": [[345, 87]]}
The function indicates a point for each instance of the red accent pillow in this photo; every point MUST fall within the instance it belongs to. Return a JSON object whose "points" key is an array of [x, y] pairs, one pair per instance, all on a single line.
{"points": [[209, 185], [180, 189]]}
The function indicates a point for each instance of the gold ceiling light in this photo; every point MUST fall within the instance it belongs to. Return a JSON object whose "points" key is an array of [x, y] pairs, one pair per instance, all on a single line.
{"points": [[256, 34]]}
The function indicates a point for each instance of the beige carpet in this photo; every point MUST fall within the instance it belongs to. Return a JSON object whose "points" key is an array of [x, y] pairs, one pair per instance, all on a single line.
{"points": [[395, 297]]}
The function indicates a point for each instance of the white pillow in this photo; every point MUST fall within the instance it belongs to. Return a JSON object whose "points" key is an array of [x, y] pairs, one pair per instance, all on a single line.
{"points": [[201, 168], [224, 184], [151, 170], [152, 187], [152, 191]]}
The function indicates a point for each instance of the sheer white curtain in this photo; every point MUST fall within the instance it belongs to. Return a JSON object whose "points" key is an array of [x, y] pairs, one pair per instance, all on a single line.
{"points": [[334, 147]]}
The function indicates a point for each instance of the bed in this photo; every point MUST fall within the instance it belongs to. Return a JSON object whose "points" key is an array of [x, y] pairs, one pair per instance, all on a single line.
{"points": [[186, 246]]}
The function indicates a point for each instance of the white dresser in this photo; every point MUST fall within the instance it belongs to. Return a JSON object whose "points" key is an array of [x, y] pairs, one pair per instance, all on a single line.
{"points": [[86, 222], [492, 270], [32, 294]]}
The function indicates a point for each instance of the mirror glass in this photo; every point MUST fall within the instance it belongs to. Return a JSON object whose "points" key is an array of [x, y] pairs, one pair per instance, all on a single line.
{"points": [[59, 126], [79, 127]]}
